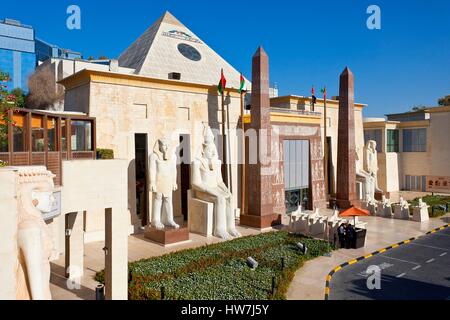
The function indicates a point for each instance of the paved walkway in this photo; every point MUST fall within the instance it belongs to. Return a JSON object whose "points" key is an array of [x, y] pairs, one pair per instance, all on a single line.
{"points": [[309, 281]]}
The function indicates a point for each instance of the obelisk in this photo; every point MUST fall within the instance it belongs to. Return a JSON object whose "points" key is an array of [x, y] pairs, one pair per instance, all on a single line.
{"points": [[346, 162], [260, 213]]}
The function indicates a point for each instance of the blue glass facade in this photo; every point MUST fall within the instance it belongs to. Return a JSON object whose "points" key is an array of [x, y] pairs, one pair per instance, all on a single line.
{"points": [[17, 53], [20, 52]]}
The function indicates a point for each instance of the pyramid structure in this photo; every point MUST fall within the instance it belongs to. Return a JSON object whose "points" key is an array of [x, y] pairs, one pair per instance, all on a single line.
{"points": [[168, 47]]}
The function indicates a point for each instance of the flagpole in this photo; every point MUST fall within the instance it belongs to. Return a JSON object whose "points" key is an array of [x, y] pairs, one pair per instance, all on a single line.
{"points": [[224, 142], [243, 187], [325, 143], [229, 166]]}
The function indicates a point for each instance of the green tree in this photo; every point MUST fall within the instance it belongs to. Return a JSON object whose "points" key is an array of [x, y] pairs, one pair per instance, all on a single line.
{"points": [[7, 102], [444, 101]]}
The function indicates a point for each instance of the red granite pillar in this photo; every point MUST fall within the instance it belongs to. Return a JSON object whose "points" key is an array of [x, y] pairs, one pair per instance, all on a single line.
{"points": [[346, 163], [260, 207]]}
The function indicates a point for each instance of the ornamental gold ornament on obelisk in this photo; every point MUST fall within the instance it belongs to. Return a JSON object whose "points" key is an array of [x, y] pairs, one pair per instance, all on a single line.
{"points": [[260, 206], [346, 163]]}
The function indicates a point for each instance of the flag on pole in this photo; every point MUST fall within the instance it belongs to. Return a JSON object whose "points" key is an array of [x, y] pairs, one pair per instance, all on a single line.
{"points": [[243, 85], [324, 91], [313, 96], [222, 83]]}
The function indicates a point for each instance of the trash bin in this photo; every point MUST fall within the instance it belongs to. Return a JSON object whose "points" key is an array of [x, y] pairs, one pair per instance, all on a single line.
{"points": [[360, 238]]}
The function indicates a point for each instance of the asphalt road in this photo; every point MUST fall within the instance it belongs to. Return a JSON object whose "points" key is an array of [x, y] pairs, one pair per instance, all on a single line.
{"points": [[419, 270]]}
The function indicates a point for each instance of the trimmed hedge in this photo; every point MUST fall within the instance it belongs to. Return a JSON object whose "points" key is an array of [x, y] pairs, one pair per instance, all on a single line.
{"points": [[220, 271], [105, 154]]}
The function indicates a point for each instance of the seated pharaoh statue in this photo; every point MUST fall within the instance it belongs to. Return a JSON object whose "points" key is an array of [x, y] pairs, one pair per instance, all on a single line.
{"points": [[208, 185], [163, 181], [34, 240]]}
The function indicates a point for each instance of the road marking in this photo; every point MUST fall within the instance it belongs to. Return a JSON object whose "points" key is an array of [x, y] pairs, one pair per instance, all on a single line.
{"points": [[401, 260], [401, 275], [423, 245], [352, 262], [445, 253], [416, 267], [430, 261], [442, 235]]}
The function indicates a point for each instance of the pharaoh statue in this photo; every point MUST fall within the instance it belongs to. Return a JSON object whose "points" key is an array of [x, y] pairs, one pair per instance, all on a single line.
{"points": [[35, 246], [208, 184], [163, 181], [367, 179], [371, 162]]}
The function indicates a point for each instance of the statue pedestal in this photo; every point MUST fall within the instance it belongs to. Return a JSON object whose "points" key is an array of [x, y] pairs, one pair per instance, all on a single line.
{"points": [[421, 214], [260, 222], [401, 212], [167, 235]]}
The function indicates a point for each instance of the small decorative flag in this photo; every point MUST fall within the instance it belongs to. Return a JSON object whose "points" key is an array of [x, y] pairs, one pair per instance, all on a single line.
{"points": [[243, 85], [324, 91], [313, 95], [222, 83]]}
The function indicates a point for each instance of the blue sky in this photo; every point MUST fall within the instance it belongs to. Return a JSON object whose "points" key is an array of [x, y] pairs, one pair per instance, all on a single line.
{"points": [[406, 63]]}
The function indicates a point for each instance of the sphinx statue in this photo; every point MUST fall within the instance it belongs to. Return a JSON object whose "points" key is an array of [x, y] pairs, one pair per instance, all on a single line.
{"points": [[402, 209], [163, 181], [208, 185], [34, 240]]}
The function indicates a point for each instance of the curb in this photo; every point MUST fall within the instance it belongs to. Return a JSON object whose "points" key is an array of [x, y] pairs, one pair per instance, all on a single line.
{"points": [[394, 246]]}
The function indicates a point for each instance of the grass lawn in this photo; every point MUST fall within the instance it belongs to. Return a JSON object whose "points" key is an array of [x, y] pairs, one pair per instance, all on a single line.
{"points": [[220, 271]]}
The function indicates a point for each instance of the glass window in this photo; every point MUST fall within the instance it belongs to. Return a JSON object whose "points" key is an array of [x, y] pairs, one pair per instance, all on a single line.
{"points": [[52, 134], [393, 141], [415, 140], [19, 129], [37, 134], [63, 135], [81, 135], [375, 135]]}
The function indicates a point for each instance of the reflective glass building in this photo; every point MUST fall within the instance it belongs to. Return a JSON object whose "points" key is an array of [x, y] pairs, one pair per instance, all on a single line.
{"points": [[21, 51], [17, 53]]}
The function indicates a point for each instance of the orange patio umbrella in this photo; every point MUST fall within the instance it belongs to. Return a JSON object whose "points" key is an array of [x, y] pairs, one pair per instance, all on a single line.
{"points": [[355, 212]]}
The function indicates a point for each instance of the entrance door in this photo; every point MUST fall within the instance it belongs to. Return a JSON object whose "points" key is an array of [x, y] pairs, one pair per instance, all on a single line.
{"points": [[296, 174], [185, 171], [141, 164]]}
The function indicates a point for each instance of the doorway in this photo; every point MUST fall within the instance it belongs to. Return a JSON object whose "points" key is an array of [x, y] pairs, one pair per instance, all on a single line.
{"points": [[184, 161], [141, 165], [296, 174]]}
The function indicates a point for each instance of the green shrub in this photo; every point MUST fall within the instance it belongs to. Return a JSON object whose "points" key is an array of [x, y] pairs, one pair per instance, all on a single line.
{"points": [[105, 154], [220, 271]]}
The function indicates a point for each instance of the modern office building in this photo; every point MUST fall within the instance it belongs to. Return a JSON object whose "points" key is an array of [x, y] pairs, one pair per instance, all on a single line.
{"points": [[21, 52], [414, 149], [46, 51], [17, 52]]}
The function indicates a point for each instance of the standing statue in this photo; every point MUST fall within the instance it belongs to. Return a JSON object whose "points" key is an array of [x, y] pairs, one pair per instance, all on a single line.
{"points": [[208, 184], [369, 180], [34, 238], [163, 181], [371, 162]]}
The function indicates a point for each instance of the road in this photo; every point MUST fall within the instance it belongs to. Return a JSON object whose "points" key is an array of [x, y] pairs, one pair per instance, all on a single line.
{"points": [[419, 270]]}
